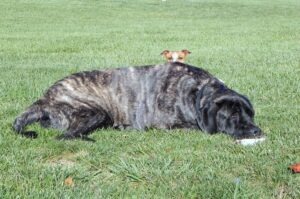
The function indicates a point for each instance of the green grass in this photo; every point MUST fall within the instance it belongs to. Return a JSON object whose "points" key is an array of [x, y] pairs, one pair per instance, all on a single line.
{"points": [[254, 46]]}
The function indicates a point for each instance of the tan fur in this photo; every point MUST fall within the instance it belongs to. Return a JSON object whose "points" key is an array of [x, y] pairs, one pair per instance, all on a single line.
{"points": [[175, 56]]}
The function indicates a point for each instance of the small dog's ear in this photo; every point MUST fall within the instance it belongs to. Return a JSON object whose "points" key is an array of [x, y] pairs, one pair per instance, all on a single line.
{"points": [[164, 52], [185, 51]]}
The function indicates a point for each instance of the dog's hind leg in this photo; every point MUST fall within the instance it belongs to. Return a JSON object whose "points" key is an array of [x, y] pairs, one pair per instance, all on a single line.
{"points": [[84, 122]]}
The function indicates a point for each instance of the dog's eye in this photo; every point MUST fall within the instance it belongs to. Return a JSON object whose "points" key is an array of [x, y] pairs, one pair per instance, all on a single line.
{"points": [[235, 115]]}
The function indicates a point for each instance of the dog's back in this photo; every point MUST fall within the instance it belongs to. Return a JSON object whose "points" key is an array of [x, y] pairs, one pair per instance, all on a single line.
{"points": [[134, 97]]}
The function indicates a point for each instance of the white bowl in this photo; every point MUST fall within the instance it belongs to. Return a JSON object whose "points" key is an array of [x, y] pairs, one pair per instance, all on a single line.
{"points": [[250, 141]]}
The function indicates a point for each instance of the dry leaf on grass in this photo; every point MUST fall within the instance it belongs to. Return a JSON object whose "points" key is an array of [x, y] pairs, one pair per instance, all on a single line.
{"points": [[295, 168], [69, 182]]}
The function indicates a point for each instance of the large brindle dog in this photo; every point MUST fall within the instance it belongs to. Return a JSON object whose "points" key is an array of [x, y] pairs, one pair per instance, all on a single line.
{"points": [[166, 96]]}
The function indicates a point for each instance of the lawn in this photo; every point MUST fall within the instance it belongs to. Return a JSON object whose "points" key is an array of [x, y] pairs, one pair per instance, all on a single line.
{"points": [[254, 46]]}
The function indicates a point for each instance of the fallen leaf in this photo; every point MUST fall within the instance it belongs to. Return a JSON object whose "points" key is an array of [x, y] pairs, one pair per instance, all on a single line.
{"points": [[69, 182], [295, 168]]}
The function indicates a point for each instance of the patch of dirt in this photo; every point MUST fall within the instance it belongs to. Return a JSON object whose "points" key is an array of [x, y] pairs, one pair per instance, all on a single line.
{"points": [[65, 160]]}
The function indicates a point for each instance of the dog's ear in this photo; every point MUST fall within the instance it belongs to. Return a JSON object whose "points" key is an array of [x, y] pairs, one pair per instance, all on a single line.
{"points": [[206, 114], [185, 51], [164, 52]]}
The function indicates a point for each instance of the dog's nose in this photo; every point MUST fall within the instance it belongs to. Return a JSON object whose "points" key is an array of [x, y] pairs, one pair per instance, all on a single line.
{"points": [[255, 131]]}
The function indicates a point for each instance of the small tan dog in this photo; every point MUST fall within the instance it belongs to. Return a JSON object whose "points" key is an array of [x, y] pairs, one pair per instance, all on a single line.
{"points": [[175, 56]]}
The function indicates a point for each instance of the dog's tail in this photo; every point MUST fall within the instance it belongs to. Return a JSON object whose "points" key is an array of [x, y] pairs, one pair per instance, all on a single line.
{"points": [[32, 114]]}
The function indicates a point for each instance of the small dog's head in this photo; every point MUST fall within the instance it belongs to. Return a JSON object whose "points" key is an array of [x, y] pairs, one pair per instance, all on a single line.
{"points": [[175, 56]]}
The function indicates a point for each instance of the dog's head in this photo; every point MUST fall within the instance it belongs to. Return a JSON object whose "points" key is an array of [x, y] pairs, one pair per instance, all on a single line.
{"points": [[175, 56], [232, 114]]}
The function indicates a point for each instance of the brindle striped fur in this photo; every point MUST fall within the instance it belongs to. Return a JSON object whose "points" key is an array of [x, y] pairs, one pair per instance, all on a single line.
{"points": [[166, 96]]}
